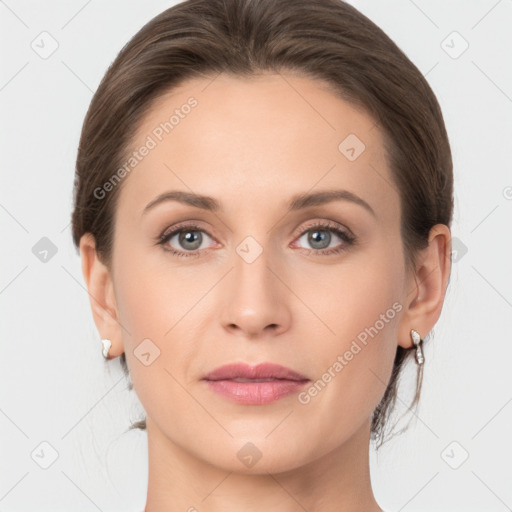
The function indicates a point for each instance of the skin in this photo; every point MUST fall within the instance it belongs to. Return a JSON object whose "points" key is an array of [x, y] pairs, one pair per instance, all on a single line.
{"points": [[252, 144]]}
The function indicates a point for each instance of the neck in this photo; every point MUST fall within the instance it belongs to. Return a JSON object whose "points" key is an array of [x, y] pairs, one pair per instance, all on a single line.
{"points": [[335, 481]]}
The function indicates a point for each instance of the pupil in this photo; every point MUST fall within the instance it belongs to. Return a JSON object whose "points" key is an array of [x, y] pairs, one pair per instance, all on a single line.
{"points": [[324, 235], [188, 237]]}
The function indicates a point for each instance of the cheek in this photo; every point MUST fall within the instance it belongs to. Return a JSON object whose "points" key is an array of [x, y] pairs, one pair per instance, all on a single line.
{"points": [[160, 310], [150, 297], [166, 309], [350, 297], [361, 304], [153, 310]]}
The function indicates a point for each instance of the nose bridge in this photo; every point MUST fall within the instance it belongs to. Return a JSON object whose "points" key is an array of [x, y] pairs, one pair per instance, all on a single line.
{"points": [[255, 299], [251, 274]]}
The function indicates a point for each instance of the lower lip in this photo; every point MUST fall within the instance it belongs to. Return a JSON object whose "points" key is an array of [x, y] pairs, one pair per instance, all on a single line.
{"points": [[256, 393]]}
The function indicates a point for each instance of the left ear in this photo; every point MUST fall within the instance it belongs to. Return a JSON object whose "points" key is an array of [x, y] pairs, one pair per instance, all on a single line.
{"points": [[427, 286]]}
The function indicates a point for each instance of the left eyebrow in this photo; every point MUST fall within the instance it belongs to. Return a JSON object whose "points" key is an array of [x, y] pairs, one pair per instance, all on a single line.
{"points": [[326, 196], [297, 202]]}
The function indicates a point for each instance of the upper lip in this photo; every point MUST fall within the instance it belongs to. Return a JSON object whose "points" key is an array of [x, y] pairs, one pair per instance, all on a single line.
{"points": [[260, 371]]}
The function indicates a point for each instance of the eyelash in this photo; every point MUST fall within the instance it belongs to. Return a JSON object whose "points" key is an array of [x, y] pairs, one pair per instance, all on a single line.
{"points": [[323, 226]]}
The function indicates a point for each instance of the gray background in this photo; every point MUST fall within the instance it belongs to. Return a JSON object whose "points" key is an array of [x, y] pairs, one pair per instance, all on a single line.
{"points": [[55, 387]]}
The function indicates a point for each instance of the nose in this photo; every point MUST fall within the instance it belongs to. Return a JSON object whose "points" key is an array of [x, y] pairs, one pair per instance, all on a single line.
{"points": [[256, 299]]}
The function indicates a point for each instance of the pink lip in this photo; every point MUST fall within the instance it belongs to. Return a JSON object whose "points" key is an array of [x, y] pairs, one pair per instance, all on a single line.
{"points": [[260, 371], [271, 382]]}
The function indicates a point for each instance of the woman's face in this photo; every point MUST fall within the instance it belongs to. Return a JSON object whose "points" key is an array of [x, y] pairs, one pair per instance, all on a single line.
{"points": [[319, 288]]}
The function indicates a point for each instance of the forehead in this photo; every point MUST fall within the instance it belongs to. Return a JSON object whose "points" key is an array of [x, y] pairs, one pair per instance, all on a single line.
{"points": [[276, 134]]}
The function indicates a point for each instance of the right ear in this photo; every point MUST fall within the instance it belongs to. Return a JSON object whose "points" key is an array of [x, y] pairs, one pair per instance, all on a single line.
{"points": [[101, 294]]}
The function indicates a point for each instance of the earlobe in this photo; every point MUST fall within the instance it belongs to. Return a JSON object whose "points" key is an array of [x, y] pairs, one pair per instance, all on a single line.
{"points": [[101, 293], [426, 290]]}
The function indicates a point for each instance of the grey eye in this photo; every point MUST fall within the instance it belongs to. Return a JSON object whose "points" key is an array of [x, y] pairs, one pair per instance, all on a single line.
{"points": [[188, 239], [319, 238]]}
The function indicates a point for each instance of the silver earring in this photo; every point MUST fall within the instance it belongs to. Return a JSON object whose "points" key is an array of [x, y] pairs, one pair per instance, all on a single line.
{"points": [[418, 342], [106, 347]]}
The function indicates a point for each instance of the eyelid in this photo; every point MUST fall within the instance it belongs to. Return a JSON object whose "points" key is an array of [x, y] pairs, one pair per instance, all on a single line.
{"points": [[322, 223], [192, 224]]}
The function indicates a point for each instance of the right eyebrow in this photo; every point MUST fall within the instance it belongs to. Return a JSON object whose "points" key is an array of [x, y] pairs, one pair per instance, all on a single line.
{"points": [[196, 200]]}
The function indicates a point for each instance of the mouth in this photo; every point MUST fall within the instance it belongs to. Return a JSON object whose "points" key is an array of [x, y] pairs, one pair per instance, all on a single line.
{"points": [[258, 385], [262, 372], [240, 379]]}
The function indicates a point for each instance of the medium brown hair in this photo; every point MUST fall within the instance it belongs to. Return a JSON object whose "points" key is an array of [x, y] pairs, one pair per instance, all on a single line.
{"points": [[328, 40]]}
